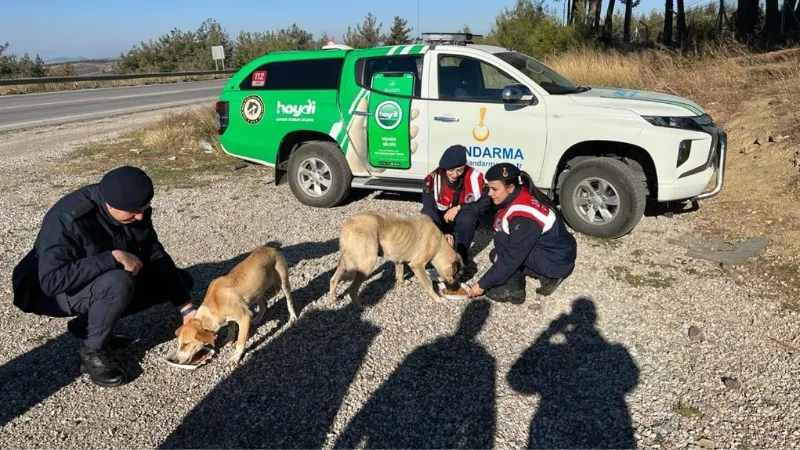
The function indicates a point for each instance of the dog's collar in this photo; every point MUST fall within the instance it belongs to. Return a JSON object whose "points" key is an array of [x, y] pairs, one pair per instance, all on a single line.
{"points": [[188, 310]]}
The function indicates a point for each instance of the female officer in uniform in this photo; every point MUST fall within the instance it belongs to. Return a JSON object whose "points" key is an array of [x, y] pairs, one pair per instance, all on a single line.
{"points": [[455, 197], [530, 239]]}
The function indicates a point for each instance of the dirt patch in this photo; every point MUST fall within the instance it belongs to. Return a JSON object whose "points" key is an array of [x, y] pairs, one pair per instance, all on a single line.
{"points": [[761, 185]]}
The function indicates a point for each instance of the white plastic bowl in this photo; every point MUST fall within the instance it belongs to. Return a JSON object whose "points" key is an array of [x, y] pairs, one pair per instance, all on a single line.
{"points": [[204, 359], [442, 287]]}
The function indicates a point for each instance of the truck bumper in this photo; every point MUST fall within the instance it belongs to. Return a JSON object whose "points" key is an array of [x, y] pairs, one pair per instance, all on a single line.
{"points": [[695, 186]]}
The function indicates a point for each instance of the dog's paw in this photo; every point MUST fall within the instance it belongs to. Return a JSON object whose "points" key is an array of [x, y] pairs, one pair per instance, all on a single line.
{"points": [[234, 360]]}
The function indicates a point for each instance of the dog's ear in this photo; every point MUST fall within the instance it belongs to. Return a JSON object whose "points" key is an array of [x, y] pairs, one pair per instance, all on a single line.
{"points": [[206, 337]]}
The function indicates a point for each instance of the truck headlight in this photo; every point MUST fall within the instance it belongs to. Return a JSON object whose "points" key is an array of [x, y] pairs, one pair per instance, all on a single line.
{"points": [[683, 123]]}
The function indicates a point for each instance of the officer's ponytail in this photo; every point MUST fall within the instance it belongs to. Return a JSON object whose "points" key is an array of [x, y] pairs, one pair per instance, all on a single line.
{"points": [[540, 196]]}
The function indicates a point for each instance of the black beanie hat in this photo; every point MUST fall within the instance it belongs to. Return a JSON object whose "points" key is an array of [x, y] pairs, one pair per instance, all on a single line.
{"points": [[127, 188], [454, 156]]}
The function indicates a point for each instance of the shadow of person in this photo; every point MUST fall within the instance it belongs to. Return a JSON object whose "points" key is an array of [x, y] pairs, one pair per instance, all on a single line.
{"points": [[287, 394], [441, 396], [34, 376], [582, 381]]}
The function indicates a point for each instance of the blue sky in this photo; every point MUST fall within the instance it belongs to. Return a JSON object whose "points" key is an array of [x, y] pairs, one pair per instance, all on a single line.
{"points": [[54, 28]]}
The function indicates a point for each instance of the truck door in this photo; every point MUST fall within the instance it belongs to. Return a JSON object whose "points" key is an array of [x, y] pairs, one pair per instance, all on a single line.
{"points": [[467, 108], [390, 129]]}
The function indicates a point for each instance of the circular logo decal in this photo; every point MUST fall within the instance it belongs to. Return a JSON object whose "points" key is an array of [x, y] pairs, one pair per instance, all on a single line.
{"points": [[252, 109], [469, 198], [388, 115]]}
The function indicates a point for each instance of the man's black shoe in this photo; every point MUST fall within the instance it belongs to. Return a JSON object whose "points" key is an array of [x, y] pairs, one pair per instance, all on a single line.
{"points": [[549, 285], [77, 327], [101, 369]]}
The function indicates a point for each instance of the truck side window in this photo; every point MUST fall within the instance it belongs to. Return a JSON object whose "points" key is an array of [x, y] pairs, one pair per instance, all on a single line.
{"points": [[469, 79], [367, 67], [308, 74]]}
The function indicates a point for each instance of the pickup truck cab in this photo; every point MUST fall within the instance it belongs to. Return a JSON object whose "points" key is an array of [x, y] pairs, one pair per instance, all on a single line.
{"points": [[338, 118]]}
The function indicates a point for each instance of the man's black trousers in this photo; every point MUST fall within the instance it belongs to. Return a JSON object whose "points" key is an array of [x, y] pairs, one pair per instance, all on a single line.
{"points": [[113, 295]]}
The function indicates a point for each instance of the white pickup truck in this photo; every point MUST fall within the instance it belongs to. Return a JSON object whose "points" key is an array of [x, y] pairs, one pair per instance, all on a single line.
{"points": [[380, 118]]}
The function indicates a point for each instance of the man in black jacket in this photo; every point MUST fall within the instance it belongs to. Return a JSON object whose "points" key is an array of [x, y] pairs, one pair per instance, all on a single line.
{"points": [[98, 257]]}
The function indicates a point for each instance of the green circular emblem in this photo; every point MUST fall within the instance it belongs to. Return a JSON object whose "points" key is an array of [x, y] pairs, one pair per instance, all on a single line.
{"points": [[388, 115], [252, 109]]}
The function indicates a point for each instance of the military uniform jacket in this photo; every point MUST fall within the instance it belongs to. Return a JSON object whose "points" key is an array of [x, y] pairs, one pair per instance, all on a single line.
{"points": [[74, 247], [526, 229]]}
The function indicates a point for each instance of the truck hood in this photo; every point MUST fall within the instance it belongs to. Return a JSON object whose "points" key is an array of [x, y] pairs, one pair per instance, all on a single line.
{"points": [[641, 102]]}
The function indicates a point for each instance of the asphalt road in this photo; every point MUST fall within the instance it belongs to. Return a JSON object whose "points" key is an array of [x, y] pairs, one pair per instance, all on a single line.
{"points": [[29, 110]]}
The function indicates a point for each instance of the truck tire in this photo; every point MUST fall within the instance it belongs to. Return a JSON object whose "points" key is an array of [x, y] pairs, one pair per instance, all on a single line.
{"points": [[319, 175], [606, 191]]}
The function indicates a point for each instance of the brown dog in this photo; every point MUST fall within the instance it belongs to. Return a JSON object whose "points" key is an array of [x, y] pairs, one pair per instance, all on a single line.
{"points": [[413, 240], [228, 300]]}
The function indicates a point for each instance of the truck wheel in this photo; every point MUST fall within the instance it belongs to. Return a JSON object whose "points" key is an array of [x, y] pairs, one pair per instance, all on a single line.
{"points": [[602, 197], [319, 175]]}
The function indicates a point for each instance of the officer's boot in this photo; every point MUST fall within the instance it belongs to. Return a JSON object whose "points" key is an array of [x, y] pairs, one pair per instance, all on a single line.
{"points": [[469, 267], [549, 285], [513, 291], [77, 327], [101, 369]]}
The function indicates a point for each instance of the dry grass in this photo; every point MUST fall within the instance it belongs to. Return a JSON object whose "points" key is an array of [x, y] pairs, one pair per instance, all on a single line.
{"points": [[713, 76], [52, 87], [170, 151]]}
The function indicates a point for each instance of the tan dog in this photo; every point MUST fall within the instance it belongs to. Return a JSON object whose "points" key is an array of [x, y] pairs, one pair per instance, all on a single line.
{"points": [[228, 300], [414, 240]]}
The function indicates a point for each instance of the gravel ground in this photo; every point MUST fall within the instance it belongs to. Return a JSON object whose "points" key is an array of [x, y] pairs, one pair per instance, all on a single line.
{"points": [[606, 361]]}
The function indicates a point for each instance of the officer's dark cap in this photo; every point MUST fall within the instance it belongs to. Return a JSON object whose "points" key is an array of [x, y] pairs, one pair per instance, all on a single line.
{"points": [[454, 156], [502, 172], [127, 188]]}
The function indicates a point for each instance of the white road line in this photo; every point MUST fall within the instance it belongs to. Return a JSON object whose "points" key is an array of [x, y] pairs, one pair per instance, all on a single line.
{"points": [[118, 97], [106, 113]]}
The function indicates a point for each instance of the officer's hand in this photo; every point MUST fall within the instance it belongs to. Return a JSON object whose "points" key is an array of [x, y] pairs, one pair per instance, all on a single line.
{"points": [[129, 262], [449, 239], [475, 290], [451, 214], [189, 317]]}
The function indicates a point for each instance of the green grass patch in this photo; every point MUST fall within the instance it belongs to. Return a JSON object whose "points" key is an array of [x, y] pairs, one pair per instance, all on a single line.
{"points": [[685, 410], [640, 279]]}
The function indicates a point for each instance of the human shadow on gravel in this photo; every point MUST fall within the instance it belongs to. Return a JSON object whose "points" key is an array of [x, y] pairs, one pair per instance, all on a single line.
{"points": [[36, 375], [441, 396], [287, 394], [581, 380]]}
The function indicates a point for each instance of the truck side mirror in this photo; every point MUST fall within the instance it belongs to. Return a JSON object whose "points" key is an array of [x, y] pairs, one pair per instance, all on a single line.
{"points": [[517, 93]]}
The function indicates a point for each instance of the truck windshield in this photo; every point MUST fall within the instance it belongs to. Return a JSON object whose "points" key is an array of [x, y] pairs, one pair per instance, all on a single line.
{"points": [[550, 80]]}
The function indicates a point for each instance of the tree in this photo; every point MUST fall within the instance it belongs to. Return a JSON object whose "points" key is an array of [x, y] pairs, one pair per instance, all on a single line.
{"points": [[747, 15], [366, 35], [668, 23], [683, 32], [398, 33], [609, 24], [514, 27]]}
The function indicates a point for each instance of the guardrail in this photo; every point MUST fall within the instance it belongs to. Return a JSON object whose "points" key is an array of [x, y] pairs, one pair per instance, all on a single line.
{"points": [[123, 76]]}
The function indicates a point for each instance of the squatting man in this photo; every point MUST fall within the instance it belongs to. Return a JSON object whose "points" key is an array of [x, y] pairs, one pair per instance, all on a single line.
{"points": [[98, 258]]}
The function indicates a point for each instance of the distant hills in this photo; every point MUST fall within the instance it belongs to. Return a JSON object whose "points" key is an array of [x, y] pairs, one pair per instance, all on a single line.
{"points": [[68, 59]]}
